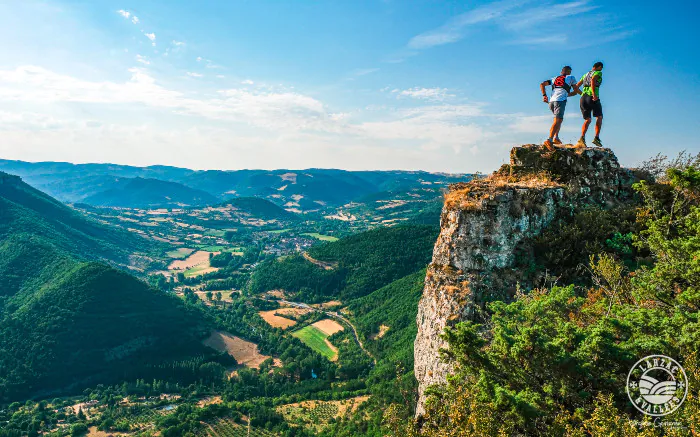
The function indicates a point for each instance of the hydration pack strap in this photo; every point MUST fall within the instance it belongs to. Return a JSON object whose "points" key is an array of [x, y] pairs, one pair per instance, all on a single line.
{"points": [[560, 82]]}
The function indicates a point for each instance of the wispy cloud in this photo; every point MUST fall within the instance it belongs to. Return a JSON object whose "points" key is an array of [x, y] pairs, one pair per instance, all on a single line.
{"points": [[534, 17], [257, 117], [135, 20], [152, 37], [541, 40], [192, 74], [434, 94], [521, 23], [455, 29], [247, 82], [143, 60]]}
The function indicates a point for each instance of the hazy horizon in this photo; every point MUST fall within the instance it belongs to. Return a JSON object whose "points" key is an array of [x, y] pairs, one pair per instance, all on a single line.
{"points": [[373, 85]]}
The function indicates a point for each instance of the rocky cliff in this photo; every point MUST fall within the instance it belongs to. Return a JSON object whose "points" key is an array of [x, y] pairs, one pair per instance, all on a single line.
{"points": [[485, 220]]}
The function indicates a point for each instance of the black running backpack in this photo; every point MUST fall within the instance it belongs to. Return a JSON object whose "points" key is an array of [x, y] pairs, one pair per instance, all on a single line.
{"points": [[560, 82], [588, 78]]}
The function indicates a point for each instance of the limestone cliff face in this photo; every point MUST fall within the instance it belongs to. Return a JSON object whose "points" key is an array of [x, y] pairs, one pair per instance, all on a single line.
{"points": [[483, 222]]}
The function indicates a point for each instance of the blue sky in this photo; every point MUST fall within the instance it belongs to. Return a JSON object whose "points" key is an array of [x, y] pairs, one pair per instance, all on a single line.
{"points": [[383, 84]]}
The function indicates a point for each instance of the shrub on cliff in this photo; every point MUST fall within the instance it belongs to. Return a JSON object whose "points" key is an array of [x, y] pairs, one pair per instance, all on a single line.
{"points": [[555, 362]]}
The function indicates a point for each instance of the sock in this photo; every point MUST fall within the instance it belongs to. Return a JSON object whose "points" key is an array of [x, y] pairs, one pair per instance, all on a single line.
{"points": [[550, 138], [596, 138]]}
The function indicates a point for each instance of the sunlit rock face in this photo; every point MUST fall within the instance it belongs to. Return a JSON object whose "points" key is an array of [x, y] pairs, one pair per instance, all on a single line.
{"points": [[483, 222]]}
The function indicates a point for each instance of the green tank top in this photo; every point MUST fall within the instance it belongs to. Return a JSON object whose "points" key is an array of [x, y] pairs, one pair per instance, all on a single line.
{"points": [[598, 76]]}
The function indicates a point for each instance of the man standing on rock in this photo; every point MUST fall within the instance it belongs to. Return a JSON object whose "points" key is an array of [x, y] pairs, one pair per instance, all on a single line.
{"points": [[590, 103], [561, 90]]}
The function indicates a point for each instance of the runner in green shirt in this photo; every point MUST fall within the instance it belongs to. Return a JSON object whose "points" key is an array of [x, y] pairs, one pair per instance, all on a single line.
{"points": [[590, 103]]}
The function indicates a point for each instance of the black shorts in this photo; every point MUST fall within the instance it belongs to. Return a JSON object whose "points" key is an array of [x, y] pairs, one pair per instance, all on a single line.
{"points": [[588, 106]]}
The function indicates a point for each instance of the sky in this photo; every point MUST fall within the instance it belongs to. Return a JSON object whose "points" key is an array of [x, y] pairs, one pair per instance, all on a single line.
{"points": [[444, 86]]}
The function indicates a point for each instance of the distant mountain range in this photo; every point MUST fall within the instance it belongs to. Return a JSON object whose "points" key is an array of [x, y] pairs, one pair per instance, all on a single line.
{"points": [[165, 187]]}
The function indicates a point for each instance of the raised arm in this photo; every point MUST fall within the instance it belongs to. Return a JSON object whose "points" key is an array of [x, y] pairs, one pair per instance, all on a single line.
{"points": [[544, 93]]}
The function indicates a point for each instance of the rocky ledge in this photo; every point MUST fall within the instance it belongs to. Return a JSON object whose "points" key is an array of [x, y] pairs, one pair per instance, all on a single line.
{"points": [[484, 220]]}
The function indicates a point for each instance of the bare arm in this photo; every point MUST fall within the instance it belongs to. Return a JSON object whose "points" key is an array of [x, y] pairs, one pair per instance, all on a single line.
{"points": [[576, 90], [544, 93]]}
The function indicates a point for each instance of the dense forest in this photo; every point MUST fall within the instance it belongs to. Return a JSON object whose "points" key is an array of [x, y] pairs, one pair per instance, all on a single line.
{"points": [[355, 266], [69, 322]]}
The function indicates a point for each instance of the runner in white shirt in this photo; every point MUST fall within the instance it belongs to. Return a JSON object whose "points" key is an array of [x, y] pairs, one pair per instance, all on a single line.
{"points": [[563, 87]]}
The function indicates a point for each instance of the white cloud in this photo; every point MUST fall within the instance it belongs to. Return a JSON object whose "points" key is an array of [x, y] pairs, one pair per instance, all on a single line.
{"points": [[432, 128], [152, 37], [123, 13], [552, 40], [435, 94], [264, 108], [191, 74], [247, 82], [454, 29], [533, 17], [239, 125], [523, 19], [178, 43], [199, 59], [143, 60], [220, 76], [135, 20], [538, 124]]}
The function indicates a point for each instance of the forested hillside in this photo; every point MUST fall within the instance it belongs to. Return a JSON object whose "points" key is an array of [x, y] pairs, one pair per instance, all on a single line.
{"points": [[65, 321], [260, 208], [25, 211], [148, 193], [351, 267]]}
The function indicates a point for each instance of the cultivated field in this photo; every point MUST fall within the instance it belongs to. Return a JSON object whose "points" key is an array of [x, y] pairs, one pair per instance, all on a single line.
{"points": [[200, 270], [316, 414], [196, 259], [245, 352], [229, 428], [180, 253], [317, 340], [328, 326], [276, 319], [321, 237]]}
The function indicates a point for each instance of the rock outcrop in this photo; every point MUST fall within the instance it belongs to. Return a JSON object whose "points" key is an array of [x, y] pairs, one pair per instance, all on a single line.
{"points": [[483, 222]]}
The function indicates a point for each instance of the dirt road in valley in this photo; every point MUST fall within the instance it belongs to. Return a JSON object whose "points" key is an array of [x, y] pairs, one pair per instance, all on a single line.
{"points": [[332, 314]]}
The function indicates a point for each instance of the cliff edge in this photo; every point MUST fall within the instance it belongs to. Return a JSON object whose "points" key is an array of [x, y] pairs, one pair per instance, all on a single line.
{"points": [[483, 222]]}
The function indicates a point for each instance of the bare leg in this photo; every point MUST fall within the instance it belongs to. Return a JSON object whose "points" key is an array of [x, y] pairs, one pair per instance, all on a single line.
{"points": [[598, 125], [584, 128], [554, 130], [557, 127]]}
